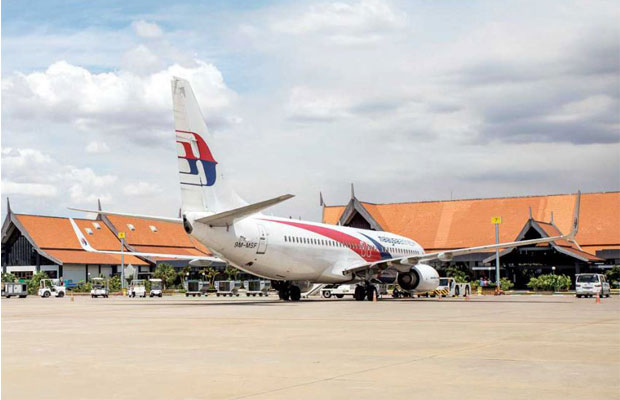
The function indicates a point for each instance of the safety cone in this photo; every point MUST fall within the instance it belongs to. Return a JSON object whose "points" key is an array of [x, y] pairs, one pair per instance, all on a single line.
{"points": [[598, 298]]}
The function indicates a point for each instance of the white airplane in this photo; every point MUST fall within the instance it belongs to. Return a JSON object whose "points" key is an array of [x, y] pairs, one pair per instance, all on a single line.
{"points": [[292, 253]]}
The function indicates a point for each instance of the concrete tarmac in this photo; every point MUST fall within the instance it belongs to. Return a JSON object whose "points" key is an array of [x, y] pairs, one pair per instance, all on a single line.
{"points": [[509, 347]]}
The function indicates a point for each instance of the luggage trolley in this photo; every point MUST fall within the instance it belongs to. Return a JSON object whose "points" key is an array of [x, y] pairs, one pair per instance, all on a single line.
{"points": [[257, 287], [226, 288]]}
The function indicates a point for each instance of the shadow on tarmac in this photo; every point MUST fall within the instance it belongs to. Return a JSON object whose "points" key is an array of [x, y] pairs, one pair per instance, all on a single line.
{"points": [[278, 302]]}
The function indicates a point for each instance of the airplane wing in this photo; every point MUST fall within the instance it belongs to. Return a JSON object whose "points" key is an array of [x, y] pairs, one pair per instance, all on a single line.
{"points": [[403, 263], [229, 217], [151, 217], [87, 247]]}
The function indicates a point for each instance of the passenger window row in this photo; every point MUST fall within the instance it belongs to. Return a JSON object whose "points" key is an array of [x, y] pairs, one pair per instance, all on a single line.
{"points": [[333, 243]]}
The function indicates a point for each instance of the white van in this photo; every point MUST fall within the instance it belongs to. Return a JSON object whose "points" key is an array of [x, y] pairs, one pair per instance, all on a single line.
{"points": [[588, 285]]}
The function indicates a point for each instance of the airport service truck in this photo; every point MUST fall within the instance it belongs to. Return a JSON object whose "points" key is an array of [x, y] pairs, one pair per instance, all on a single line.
{"points": [[448, 287]]}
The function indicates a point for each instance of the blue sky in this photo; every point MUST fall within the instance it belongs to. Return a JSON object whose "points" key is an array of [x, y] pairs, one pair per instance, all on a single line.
{"points": [[408, 100]]}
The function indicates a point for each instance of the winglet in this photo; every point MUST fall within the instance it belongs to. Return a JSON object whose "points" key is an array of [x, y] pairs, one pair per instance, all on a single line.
{"points": [[80, 236], [575, 226]]}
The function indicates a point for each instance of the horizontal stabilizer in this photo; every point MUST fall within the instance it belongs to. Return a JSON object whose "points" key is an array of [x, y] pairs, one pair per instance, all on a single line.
{"points": [[229, 217], [151, 217], [87, 247]]}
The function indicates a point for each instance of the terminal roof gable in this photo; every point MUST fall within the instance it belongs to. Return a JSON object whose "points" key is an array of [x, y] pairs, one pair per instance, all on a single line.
{"points": [[356, 207], [548, 229]]}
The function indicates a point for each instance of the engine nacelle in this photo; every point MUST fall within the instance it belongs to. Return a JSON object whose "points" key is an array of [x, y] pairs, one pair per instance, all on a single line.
{"points": [[422, 278], [445, 257]]}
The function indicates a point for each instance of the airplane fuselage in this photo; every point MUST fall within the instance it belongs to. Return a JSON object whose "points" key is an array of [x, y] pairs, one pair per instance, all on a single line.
{"points": [[293, 250]]}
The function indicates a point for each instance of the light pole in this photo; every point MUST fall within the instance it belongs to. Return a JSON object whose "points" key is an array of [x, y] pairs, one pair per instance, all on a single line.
{"points": [[555, 283], [496, 221], [121, 236]]}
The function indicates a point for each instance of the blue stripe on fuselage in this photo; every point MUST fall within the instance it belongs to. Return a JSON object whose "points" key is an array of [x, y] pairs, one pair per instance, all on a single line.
{"points": [[382, 250]]}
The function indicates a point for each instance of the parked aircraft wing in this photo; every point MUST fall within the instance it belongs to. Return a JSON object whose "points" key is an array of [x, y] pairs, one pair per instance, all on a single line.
{"points": [[151, 217], [87, 247], [402, 263], [229, 217]]}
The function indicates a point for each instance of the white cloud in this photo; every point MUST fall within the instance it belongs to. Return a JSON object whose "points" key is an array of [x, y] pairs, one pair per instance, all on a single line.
{"points": [[95, 147], [32, 173], [141, 189], [346, 23], [28, 189], [122, 103], [147, 29]]}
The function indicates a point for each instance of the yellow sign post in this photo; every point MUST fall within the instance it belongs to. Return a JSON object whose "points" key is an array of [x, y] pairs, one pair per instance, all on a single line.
{"points": [[121, 235], [496, 221]]}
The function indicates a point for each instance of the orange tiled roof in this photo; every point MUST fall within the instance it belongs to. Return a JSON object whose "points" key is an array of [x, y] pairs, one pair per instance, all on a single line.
{"points": [[57, 233], [168, 234], [440, 225], [55, 236]]}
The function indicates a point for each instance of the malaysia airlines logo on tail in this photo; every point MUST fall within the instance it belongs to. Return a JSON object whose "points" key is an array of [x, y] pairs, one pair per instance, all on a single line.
{"points": [[203, 158]]}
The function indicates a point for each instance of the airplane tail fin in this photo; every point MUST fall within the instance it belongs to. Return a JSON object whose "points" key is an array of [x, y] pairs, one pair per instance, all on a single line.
{"points": [[202, 184]]}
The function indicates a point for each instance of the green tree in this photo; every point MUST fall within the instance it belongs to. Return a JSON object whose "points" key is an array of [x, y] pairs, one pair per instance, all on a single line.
{"points": [[459, 275], [166, 273], [9, 277], [231, 272], [505, 284], [613, 276], [549, 282], [114, 283]]}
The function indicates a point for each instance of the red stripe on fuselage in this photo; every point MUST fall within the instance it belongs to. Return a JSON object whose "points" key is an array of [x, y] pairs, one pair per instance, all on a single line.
{"points": [[367, 251]]}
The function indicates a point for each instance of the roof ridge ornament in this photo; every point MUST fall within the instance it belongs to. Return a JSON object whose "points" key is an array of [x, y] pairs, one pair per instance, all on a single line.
{"points": [[352, 191], [321, 202], [8, 206]]}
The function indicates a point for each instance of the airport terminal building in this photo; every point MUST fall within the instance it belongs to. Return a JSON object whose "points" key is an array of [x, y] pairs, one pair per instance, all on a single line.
{"points": [[449, 225], [32, 243]]}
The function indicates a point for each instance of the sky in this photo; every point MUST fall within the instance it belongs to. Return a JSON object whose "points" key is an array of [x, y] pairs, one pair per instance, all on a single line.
{"points": [[408, 100]]}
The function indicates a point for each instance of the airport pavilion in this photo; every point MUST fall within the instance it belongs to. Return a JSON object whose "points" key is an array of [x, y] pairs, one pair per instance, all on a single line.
{"points": [[452, 224], [32, 243]]}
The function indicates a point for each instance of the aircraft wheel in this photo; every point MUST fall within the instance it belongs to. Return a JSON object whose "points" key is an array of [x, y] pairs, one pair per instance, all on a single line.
{"points": [[371, 292], [360, 293], [284, 294], [295, 293]]}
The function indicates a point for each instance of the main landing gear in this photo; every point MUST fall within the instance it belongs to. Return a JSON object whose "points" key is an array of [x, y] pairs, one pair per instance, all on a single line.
{"points": [[366, 291], [286, 291]]}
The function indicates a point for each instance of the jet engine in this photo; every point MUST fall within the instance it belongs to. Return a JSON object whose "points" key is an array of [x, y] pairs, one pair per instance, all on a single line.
{"points": [[421, 277]]}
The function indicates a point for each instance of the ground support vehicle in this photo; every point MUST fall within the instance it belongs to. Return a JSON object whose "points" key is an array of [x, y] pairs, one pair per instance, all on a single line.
{"points": [[193, 288], [156, 288], [226, 288], [338, 290], [588, 285], [48, 287], [257, 288], [448, 287], [400, 293], [17, 289], [137, 288], [99, 288]]}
